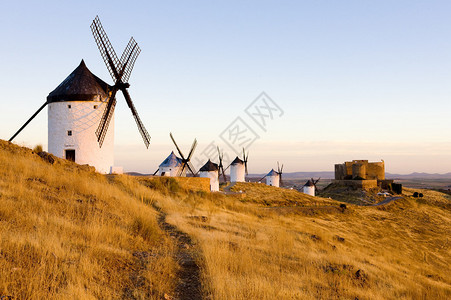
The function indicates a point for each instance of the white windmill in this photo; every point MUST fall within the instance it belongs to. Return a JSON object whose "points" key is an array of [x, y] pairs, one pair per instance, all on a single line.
{"points": [[81, 108], [310, 187], [211, 170], [170, 166], [238, 168], [272, 178]]}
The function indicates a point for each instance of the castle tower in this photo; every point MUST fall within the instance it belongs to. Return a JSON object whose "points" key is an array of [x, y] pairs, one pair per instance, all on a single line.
{"points": [[75, 108], [211, 170], [237, 170], [272, 178]]}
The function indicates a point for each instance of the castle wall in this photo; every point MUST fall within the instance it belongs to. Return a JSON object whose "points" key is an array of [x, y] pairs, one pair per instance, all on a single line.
{"points": [[360, 168], [359, 171], [82, 119]]}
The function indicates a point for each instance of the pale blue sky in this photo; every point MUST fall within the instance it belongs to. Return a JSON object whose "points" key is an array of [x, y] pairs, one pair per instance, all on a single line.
{"points": [[356, 79]]}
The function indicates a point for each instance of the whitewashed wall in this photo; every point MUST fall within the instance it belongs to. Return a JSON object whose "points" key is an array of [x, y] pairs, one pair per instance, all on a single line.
{"points": [[309, 190], [272, 180], [169, 171], [214, 179], [237, 173], [83, 120]]}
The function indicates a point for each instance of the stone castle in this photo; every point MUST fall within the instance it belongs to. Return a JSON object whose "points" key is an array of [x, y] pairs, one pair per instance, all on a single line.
{"points": [[360, 173], [361, 170]]}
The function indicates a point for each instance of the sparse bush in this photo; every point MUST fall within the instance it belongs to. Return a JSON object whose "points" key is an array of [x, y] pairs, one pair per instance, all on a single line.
{"points": [[415, 194], [37, 148]]}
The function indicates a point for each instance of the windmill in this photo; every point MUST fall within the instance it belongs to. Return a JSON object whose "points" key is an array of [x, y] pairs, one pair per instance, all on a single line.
{"points": [[185, 161], [273, 178], [120, 71], [314, 183], [279, 171], [81, 108], [238, 168], [221, 166]]}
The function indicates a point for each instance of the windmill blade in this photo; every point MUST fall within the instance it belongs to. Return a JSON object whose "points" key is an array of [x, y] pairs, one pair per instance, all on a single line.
{"points": [[128, 59], [106, 49], [193, 147], [262, 178], [27, 122], [142, 130], [245, 160], [182, 169], [191, 168], [176, 146], [156, 171], [106, 118], [223, 174]]}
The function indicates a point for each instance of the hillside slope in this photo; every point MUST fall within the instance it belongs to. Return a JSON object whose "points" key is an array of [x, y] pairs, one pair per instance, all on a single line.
{"points": [[270, 243], [68, 232]]}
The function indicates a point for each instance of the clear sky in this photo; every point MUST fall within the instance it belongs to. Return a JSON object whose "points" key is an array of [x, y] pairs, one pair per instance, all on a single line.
{"points": [[354, 79]]}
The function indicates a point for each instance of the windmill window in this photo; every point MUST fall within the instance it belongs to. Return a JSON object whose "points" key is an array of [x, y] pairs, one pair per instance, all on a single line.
{"points": [[95, 106], [69, 106], [69, 132]]}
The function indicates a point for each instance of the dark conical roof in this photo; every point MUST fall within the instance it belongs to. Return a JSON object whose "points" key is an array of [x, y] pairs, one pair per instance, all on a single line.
{"points": [[309, 183], [209, 166], [236, 161], [80, 85]]}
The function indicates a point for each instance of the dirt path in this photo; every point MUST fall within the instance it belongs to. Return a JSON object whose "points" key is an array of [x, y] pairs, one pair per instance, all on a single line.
{"points": [[388, 200], [189, 285]]}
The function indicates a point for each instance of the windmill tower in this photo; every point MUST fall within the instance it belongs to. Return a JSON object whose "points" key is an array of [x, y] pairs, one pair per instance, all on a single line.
{"points": [[211, 170], [238, 168], [272, 178], [309, 188], [81, 108], [74, 111], [170, 166]]}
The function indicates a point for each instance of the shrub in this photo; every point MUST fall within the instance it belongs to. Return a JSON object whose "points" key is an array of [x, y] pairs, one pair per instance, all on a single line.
{"points": [[37, 149]]}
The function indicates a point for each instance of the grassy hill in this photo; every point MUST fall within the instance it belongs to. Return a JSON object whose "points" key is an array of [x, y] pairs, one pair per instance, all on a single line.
{"points": [[67, 232]]}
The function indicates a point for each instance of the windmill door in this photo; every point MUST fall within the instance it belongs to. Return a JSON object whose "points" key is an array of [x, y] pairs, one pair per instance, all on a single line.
{"points": [[70, 155]]}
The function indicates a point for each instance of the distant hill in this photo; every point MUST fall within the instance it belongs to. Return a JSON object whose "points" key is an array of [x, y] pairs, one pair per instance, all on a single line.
{"points": [[301, 175], [330, 175], [419, 175]]}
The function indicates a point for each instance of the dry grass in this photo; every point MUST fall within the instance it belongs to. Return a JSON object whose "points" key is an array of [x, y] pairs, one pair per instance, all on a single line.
{"points": [[400, 251], [263, 194], [68, 232]]}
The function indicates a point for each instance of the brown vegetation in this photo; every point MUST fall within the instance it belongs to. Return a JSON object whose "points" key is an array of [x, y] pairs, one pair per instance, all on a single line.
{"points": [[67, 232]]}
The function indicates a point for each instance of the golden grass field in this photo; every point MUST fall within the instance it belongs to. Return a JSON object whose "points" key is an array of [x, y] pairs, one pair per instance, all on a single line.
{"points": [[67, 232]]}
